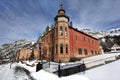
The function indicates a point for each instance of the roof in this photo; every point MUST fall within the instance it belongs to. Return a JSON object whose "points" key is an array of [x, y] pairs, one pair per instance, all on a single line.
{"points": [[115, 46], [82, 32]]}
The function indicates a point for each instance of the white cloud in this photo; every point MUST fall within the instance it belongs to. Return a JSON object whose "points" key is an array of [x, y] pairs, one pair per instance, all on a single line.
{"points": [[95, 13]]}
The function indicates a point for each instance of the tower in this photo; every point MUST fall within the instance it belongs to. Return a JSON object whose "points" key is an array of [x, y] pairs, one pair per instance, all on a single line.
{"points": [[61, 36]]}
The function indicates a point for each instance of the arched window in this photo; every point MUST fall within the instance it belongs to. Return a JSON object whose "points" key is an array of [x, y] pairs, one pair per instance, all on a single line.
{"points": [[67, 48], [61, 31], [56, 48], [61, 48], [66, 33], [56, 31]]}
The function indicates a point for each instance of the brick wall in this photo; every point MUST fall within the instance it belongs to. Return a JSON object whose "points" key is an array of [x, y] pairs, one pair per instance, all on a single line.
{"points": [[82, 41]]}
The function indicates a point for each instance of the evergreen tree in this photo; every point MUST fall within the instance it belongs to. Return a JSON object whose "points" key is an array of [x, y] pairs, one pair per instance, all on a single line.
{"points": [[52, 26], [47, 29]]}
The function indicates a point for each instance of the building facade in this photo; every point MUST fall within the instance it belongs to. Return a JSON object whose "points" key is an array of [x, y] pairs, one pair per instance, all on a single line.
{"points": [[115, 48], [27, 53], [64, 42]]}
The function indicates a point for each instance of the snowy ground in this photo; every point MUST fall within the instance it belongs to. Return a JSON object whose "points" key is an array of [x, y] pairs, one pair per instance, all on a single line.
{"points": [[21, 71], [44, 75], [9, 74], [99, 57], [89, 61], [109, 71]]}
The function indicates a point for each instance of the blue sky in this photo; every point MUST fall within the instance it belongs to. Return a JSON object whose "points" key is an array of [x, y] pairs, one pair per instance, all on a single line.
{"points": [[27, 19]]}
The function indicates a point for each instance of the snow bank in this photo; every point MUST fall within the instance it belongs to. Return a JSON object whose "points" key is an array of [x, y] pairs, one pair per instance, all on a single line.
{"points": [[31, 69], [43, 75], [98, 57], [9, 74], [6, 73]]}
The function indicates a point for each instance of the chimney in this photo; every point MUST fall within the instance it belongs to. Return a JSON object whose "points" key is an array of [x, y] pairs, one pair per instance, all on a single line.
{"points": [[71, 24]]}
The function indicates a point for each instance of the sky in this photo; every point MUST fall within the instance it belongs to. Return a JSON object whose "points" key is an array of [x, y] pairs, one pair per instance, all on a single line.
{"points": [[27, 19]]}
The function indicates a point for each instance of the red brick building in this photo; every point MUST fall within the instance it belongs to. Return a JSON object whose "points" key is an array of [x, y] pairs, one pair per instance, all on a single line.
{"points": [[64, 42], [25, 54]]}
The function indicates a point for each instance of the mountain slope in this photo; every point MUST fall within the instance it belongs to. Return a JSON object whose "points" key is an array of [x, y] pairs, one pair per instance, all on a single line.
{"points": [[10, 49], [100, 34], [107, 39]]}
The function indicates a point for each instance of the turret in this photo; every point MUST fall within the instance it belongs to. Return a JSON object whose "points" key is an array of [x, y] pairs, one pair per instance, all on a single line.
{"points": [[61, 15]]}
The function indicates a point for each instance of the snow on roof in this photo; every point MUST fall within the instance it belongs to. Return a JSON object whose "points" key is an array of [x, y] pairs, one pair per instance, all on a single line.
{"points": [[115, 45]]}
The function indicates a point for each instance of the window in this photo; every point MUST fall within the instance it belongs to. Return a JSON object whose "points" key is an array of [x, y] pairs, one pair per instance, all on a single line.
{"points": [[76, 37], [92, 41], [56, 48], [66, 31], [44, 51], [61, 31], [56, 31], [98, 52], [84, 39], [92, 52], [52, 36], [80, 51], [85, 52], [47, 39], [88, 40], [117, 49], [66, 48], [95, 42], [49, 49], [61, 48], [95, 52]]}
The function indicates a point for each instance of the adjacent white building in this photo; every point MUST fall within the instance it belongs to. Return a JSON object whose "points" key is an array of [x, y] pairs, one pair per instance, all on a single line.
{"points": [[115, 48]]}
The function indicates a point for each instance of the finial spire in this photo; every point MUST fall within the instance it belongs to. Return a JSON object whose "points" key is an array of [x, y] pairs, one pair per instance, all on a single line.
{"points": [[61, 6]]}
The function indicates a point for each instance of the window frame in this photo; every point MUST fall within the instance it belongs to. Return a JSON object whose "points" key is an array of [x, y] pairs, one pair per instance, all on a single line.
{"points": [[85, 52], [61, 48], [80, 51], [66, 48], [61, 31]]}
